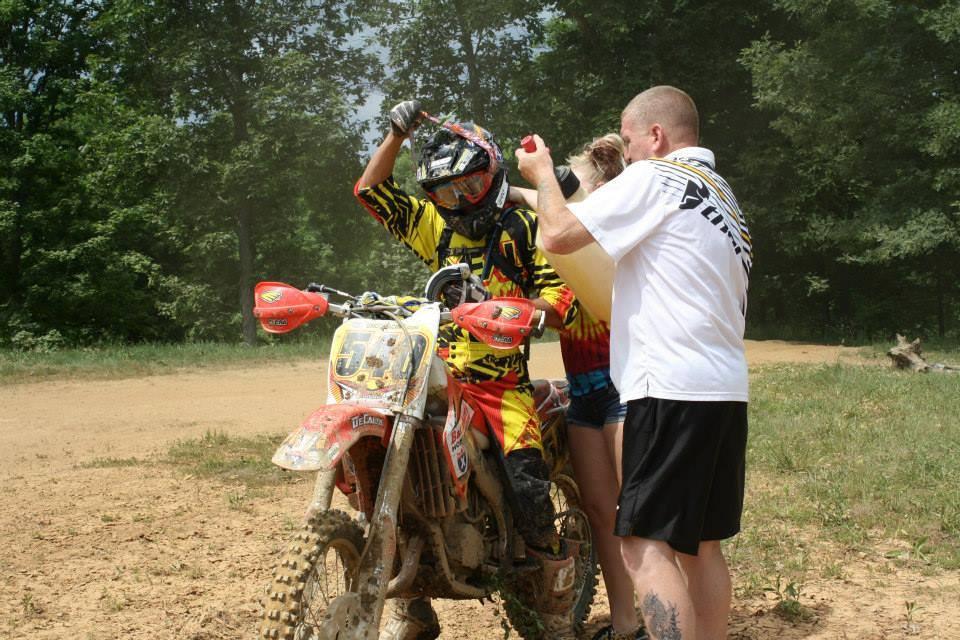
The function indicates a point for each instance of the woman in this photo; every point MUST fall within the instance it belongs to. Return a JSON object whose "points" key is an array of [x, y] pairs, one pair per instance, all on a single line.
{"points": [[595, 417]]}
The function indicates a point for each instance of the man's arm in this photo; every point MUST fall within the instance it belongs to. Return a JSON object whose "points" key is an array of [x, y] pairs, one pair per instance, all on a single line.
{"points": [[560, 230]]}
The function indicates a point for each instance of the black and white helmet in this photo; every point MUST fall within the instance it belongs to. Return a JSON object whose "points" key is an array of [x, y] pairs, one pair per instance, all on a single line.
{"points": [[461, 169]]}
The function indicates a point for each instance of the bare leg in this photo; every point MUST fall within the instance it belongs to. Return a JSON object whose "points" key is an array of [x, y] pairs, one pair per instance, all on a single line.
{"points": [[710, 589], [614, 434], [594, 468], [665, 603]]}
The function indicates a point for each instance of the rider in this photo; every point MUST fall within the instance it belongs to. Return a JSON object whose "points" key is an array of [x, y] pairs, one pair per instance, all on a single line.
{"points": [[466, 219]]}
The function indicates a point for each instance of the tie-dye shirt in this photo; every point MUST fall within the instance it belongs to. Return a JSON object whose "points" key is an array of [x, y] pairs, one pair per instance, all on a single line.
{"points": [[585, 346]]}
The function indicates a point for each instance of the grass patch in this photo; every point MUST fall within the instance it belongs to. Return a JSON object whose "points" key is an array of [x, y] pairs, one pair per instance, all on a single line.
{"points": [[865, 458], [125, 361], [112, 463], [231, 459]]}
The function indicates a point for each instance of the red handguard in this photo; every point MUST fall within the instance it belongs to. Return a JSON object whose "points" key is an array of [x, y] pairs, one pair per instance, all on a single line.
{"points": [[502, 323], [282, 308]]}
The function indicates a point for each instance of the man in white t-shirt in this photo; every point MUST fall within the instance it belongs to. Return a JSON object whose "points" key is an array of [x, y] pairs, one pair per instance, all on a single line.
{"points": [[683, 256]]}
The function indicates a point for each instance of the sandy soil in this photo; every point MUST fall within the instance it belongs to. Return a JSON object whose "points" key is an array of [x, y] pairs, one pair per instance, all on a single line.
{"points": [[94, 552]]}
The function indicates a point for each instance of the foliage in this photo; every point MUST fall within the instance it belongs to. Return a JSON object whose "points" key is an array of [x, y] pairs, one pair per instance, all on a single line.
{"points": [[460, 57], [871, 164], [166, 156], [160, 158]]}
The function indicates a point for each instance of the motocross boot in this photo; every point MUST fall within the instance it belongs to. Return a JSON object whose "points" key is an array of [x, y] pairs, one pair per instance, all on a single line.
{"points": [[555, 604], [409, 620]]}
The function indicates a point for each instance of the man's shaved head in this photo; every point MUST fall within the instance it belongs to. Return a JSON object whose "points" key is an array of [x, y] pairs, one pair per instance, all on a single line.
{"points": [[668, 106]]}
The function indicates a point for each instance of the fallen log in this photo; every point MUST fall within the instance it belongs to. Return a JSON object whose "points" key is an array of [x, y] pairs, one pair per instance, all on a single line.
{"points": [[908, 355]]}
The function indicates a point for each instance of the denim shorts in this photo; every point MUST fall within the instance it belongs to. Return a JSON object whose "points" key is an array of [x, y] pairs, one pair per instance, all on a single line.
{"points": [[597, 408]]}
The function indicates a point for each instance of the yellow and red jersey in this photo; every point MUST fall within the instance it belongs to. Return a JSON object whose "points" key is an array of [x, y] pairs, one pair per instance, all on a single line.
{"points": [[500, 377], [416, 223]]}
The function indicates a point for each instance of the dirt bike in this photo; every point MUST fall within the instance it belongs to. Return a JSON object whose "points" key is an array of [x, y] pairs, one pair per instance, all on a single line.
{"points": [[413, 456]]}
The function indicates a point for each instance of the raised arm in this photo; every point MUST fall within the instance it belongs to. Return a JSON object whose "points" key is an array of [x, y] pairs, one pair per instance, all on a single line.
{"points": [[560, 230], [404, 118]]}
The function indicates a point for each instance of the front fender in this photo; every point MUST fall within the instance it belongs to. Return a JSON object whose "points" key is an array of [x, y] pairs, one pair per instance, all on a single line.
{"points": [[329, 432]]}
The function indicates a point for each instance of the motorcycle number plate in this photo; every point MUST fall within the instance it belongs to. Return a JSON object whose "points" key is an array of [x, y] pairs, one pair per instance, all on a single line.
{"points": [[369, 362]]}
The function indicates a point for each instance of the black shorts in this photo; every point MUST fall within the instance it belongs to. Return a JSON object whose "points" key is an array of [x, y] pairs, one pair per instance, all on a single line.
{"points": [[683, 471]]}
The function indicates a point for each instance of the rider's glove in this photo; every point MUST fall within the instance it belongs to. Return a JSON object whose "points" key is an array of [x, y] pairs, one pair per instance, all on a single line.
{"points": [[405, 117], [471, 290], [369, 297]]}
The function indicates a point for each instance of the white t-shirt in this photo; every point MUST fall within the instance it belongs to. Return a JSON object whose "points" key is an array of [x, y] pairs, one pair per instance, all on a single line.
{"points": [[683, 256]]}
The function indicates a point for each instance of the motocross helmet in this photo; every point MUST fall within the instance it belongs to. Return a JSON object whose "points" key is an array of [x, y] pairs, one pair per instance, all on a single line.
{"points": [[461, 169]]}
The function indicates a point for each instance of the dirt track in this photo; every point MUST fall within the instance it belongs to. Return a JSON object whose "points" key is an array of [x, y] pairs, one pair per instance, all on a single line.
{"points": [[134, 550]]}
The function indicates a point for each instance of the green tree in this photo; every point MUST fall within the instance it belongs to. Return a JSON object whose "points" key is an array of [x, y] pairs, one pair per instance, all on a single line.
{"points": [[598, 54], [263, 92], [460, 56], [865, 103], [44, 46]]}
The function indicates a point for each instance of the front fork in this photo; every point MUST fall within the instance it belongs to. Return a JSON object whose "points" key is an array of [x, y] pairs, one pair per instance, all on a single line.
{"points": [[376, 563], [322, 492]]}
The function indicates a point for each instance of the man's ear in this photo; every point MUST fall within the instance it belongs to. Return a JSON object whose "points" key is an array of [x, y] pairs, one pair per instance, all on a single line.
{"points": [[660, 143]]}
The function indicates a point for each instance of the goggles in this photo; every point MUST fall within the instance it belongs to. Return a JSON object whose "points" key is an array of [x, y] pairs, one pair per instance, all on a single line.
{"points": [[472, 188]]}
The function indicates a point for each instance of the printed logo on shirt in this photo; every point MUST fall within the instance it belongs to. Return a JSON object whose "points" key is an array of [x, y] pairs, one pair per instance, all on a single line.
{"points": [[707, 193]]}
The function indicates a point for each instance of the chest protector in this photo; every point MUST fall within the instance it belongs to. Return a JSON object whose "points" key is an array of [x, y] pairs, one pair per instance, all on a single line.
{"points": [[493, 256]]}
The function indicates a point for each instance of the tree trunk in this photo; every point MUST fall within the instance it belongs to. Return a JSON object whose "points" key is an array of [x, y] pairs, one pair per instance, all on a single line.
{"points": [[245, 244], [478, 111], [907, 355], [941, 306]]}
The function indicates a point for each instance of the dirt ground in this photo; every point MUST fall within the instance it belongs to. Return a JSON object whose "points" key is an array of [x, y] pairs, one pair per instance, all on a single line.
{"points": [[141, 551]]}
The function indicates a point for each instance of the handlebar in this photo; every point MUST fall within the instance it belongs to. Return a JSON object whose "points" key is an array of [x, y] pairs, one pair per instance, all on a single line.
{"points": [[499, 322]]}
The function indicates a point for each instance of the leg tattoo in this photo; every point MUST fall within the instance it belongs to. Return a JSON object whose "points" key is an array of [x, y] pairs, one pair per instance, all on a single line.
{"points": [[661, 620]]}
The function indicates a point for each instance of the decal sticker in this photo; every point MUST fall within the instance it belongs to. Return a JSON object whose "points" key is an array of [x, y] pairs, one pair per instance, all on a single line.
{"points": [[564, 579], [277, 322], [458, 454], [502, 196], [453, 438], [464, 160], [271, 296], [440, 162], [366, 419], [466, 414], [333, 450], [306, 441], [502, 339], [508, 313]]}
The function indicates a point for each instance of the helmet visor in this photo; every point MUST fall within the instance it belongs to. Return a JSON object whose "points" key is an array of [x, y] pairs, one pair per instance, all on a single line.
{"points": [[472, 188]]}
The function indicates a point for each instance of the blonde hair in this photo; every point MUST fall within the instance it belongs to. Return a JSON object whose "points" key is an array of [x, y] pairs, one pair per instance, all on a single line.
{"points": [[670, 107], [600, 160]]}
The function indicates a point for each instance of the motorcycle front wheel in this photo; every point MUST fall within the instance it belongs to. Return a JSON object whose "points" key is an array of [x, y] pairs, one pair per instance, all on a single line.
{"points": [[313, 594]]}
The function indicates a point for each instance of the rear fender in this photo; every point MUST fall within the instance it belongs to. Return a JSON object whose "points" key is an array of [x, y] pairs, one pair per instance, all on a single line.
{"points": [[320, 442]]}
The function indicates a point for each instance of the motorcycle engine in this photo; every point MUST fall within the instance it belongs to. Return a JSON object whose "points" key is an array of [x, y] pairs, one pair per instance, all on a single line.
{"points": [[465, 545]]}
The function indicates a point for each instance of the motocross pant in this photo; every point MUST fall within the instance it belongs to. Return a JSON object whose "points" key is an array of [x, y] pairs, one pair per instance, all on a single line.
{"points": [[509, 408]]}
